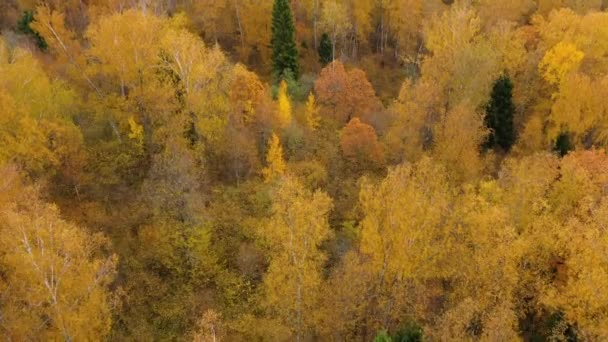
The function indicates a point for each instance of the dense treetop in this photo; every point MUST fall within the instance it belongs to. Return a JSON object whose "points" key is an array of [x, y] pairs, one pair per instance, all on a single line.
{"points": [[221, 170]]}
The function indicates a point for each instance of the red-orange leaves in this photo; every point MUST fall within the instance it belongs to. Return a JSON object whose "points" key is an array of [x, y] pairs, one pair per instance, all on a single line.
{"points": [[345, 95], [360, 145]]}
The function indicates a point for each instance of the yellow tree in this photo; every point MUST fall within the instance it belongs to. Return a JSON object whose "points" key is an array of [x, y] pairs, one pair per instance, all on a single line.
{"points": [[580, 110], [482, 301], [274, 159], [361, 12], [256, 30], [284, 113], [403, 20], [465, 125], [55, 283], [335, 20], [557, 208], [62, 42], [204, 75], [294, 234], [579, 207], [452, 85], [404, 241], [311, 114], [208, 328], [559, 61], [125, 45], [36, 131]]}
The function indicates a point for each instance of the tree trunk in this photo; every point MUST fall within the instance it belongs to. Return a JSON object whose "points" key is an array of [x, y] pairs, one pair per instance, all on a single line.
{"points": [[333, 46], [238, 20], [314, 24]]}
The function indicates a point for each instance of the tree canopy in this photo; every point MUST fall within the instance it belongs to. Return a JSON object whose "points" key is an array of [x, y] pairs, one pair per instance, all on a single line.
{"points": [[386, 170]]}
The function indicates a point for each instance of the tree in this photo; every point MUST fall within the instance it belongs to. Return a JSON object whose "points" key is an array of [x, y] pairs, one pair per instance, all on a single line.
{"points": [[294, 234], [403, 20], [499, 115], [24, 27], [579, 110], [465, 125], [56, 276], [325, 50], [334, 19], [284, 51], [311, 115], [559, 61], [37, 131], [208, 328], [345, 95], [360, 145], [274, 159], [403, 239], [284, 113], [562, 144]]}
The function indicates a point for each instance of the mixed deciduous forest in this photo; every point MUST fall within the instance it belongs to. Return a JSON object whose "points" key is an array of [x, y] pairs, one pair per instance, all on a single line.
{"points": [[303, 170]]}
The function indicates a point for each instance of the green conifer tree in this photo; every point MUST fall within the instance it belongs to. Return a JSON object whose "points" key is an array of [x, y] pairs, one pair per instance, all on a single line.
{"points": [[284, 51], [325, 50], [499, 115]]}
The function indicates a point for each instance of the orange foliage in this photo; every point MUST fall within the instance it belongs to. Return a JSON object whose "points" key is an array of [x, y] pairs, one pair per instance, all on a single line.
{"points": [[345, 95], [360, 145]]}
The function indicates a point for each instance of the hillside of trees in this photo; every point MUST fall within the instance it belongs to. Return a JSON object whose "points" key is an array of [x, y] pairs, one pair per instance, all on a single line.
{"points": [[303, 170]]}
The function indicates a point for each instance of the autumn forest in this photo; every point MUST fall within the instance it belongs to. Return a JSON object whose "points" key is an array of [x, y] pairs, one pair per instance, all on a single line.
{"points": [[303, 170]]}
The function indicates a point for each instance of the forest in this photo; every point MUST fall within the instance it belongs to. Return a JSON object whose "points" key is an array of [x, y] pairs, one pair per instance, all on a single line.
{"points": [[303, 170]]}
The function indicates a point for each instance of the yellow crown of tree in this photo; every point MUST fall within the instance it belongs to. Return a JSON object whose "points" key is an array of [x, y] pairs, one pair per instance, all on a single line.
{"points": [[274, 159]]}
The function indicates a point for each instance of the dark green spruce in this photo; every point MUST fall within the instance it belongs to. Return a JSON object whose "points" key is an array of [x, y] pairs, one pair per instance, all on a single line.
{"points": [[284, 50], [499, 115], [563, 145], [325, 50]]}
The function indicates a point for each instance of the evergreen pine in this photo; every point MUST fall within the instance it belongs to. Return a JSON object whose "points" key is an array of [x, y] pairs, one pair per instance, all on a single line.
{"points": [[563, 145], [325, 50], [284, 51], [499, 115]]}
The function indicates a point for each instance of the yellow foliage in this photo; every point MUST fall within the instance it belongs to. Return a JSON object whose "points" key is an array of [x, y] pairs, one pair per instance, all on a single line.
{"points": [[464, 125], [55, 281], [36, 131], [580, 108], [312, 113], [274, 160], [297, 227], [559, 61], [284, 114], [398, 214], [137, 130], [125, 45]]}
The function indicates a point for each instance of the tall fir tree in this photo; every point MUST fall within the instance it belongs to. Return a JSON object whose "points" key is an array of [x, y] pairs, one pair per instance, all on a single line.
{"points": [[499, 115], [284, 51], [325, 50]]}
